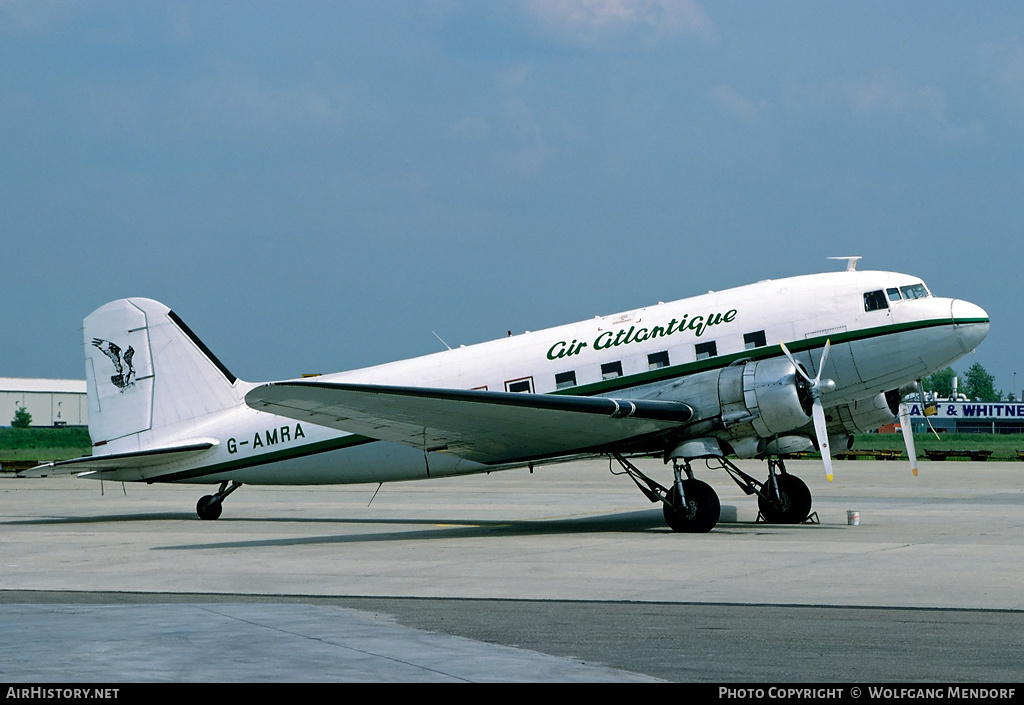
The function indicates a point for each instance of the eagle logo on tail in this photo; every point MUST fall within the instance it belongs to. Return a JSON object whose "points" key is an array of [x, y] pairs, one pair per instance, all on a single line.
{"points": [[125, 376]]}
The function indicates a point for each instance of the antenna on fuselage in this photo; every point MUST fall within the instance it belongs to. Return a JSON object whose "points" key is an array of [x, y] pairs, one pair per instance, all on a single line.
{"points": [[442, 340], [851, 262]]}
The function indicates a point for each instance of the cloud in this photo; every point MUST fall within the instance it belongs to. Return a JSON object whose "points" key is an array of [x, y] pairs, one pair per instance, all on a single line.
{"points": [[220, 109], [1004, 62], [598, 21], [520, 143], [505, 135], [735, 104], [33, 16], [111, 23], [885, 94], [889, 96], [233, 98]]}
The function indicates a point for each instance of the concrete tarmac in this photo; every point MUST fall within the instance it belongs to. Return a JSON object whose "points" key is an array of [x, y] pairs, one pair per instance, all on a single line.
{"points": [[565, 574]]}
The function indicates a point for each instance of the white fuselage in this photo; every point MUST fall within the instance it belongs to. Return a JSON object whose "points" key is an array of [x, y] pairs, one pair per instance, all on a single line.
{"points": [[644, 353]]}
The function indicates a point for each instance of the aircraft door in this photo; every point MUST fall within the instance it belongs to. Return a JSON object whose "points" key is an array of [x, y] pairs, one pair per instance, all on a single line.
{"points": [[840, 364]]}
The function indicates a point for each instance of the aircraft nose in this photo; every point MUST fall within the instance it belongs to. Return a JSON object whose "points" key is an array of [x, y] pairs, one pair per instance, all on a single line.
{"points": [[970, 322]]}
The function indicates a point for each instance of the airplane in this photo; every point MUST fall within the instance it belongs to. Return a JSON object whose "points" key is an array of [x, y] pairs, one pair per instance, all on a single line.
{"points": [[757, 371]]}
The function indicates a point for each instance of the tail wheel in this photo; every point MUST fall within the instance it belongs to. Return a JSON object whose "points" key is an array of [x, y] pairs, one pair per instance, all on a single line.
{"points": [[701, 512], [793, 505], [209, 507]]}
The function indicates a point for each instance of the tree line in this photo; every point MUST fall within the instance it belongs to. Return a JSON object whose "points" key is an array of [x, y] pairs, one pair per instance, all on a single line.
{"points": [[976, 384]]}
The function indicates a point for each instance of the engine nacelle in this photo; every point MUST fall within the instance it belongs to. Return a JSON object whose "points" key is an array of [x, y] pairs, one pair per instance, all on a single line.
{"points": [[761, 398], [768, 393], [749, 447], [865, 415], [789, 444]]}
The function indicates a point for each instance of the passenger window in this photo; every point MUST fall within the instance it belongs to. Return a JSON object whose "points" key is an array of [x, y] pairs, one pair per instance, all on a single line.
{"points": [[655, 361], [611, 370], [875, 300], [894, 294], [706, 350], [564, 380], [520, 385], [754, 340]]}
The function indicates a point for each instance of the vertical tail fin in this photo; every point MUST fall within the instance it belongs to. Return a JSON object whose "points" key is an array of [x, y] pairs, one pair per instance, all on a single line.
{"points": [[146, 370]]}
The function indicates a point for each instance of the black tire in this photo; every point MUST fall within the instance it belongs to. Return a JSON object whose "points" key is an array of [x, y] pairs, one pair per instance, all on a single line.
{"points": [[701, 512], [794, 502], [209, 509]]}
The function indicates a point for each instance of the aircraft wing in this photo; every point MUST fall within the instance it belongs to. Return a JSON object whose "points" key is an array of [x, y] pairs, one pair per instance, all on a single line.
{"points": [[117, 461], [479, 425]]}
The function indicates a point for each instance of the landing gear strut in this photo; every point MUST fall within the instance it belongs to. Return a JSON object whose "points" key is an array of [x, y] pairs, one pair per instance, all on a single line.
{"points": [[690, 506], [782, 499], [209, 507]]}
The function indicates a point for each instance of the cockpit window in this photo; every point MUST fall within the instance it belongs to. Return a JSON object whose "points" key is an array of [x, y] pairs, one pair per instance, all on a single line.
{"points": [[894, 294], [914, 291], [875, 300]]}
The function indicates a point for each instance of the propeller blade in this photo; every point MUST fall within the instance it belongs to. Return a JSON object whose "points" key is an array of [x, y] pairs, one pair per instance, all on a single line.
{"points": [[818, 385], [818, 414], [905, 425], [799, 368], [908, 436], [824, 356]]}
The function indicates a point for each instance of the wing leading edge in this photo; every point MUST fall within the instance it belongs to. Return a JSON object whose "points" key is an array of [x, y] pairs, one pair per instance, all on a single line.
{"points": [[483, 426]]}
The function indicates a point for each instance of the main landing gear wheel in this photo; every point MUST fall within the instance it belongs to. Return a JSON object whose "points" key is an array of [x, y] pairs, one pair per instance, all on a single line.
{"points": [[701, 512], [793, 505]]}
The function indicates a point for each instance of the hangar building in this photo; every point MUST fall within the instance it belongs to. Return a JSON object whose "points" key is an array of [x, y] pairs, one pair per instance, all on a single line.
{"points": [[52, 402], [971, 417]]}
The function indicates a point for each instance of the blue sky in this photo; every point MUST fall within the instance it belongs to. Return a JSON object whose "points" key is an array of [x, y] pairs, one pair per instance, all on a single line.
{"points": [[317, 186]]}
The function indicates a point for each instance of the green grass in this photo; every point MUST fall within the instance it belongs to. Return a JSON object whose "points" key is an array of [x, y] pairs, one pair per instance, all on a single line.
{"points": [[44, 443], [1003, 446]]}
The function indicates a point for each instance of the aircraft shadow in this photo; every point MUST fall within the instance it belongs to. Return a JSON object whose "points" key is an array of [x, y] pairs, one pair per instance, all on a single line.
{"points": [[101, 519], [650, 520], [443, 528], [440, 528]]}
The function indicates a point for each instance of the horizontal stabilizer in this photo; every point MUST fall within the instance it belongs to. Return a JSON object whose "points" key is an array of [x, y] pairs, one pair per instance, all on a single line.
{"points": [[479, 425], [119, 461]]}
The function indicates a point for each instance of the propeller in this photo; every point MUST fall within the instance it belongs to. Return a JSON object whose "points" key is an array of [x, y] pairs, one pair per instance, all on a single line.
{"points": [[905, 426], [908, 432], [817, 387]]}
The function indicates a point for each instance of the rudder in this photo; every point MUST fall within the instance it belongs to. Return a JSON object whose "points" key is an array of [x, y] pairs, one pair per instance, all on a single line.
{"points": [[147, 372]]}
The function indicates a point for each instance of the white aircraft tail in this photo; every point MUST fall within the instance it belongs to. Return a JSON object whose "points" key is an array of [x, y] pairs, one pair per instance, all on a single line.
{"points": [[147, 372]]}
